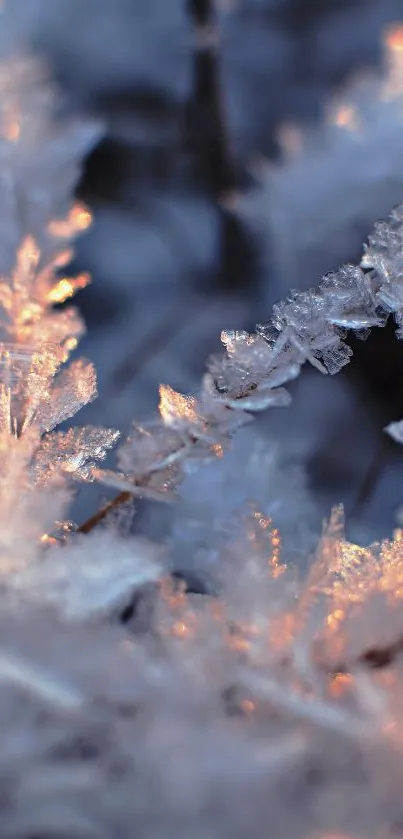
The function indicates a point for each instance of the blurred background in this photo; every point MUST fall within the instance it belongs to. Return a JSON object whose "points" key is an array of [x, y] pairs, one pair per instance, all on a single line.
{"points": [[248, 147]]}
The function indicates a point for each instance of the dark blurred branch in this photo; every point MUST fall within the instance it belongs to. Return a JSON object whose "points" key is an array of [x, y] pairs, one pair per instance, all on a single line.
{"points": [[209, 141], [206, 116]]}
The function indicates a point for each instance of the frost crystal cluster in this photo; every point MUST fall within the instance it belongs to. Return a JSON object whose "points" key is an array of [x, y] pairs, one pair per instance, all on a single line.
{"points": [[130, 706], [39, 165]]}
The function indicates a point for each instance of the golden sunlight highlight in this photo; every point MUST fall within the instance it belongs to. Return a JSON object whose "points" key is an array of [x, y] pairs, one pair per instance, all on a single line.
{"points": [[175, 406]]}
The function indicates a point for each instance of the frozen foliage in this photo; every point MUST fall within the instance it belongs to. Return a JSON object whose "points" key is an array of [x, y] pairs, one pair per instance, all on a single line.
{"points": [[229, 714], [128, 705], [40, 159], [310, 326], [39, 168]]}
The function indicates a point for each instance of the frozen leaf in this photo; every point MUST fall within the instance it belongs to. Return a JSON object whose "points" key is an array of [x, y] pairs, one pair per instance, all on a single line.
{"points": [[250, 358], [28, 300], [73, 388], [26, 374], [151, 447], [176, 410], [281, 375], [260, 399], [158, 486], [73, 452]]}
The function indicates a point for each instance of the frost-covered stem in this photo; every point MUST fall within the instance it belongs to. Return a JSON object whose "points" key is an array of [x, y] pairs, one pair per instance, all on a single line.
{"points": [[93, 521], [308, 326]]}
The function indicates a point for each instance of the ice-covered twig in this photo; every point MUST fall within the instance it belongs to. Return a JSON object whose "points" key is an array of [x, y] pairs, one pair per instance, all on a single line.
{"points": [[310, 326]]}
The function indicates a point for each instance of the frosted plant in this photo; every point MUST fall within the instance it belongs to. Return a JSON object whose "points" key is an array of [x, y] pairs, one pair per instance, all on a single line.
{"points": [[40, 159], [38, 170], [269, 702], [38, 393], [276, 701], [310, 326]]}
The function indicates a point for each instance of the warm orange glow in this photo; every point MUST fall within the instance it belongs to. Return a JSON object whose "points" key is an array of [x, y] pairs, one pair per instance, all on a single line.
{"points": [[63, 258], [179, 629], [344, 116], [393, 41], [340, 683], [334, 619], [248, 707], [263, 522], [218, 450], [394, 37], [61, 291], [48, 540], [28, 252], [12, 131], [70, 344], [66, 287], [239, 644], [277, 567], [173, 595], [30, 312], [272, 535], [79, 219], [175, 406]]}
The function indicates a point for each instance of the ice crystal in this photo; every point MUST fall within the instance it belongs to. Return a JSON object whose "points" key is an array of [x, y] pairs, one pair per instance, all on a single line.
{"points": [[73, 451], [32, 398], [28, 299], [157, 455]]}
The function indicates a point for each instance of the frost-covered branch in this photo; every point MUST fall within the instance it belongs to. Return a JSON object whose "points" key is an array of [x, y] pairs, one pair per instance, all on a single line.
{"points": [[309, 326]]}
